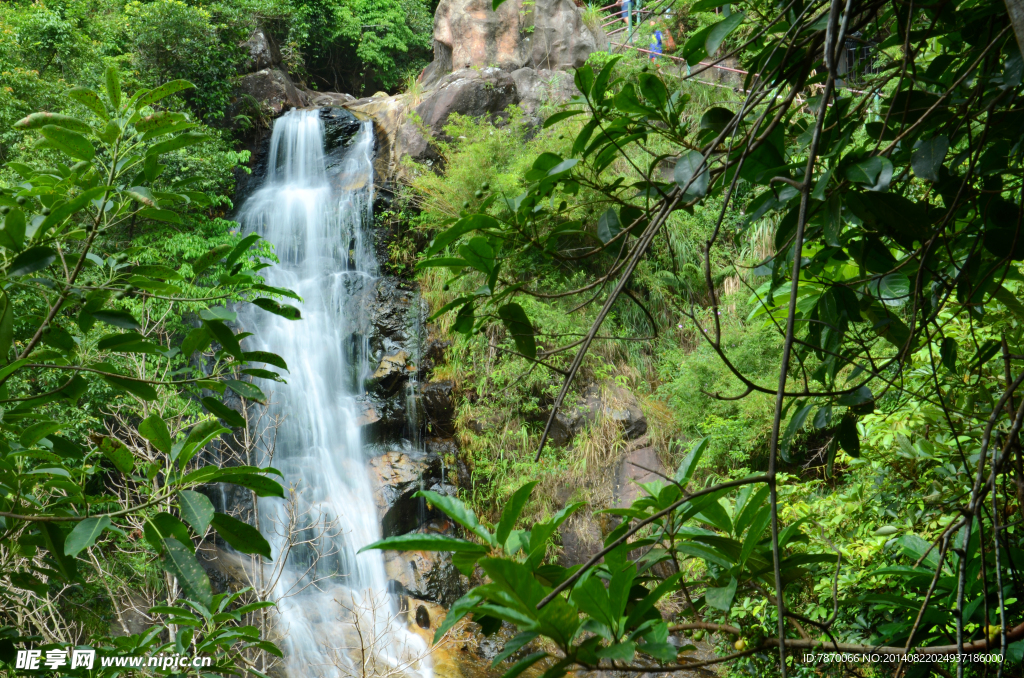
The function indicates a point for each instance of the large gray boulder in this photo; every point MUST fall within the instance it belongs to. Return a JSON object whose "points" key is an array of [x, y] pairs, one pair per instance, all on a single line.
{"points": [[547, 34], [607, 400], [271, 88]]}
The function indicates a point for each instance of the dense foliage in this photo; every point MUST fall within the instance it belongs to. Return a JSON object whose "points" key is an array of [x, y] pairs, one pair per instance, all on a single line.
{"points": [[841, 243]]}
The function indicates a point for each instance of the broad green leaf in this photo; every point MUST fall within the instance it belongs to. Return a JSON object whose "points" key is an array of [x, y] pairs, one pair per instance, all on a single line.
{"points": [[90, 100], [608, 225], [426, 542], [284, 310], [113, 80], [261, 485], [182, 563], [84, 535], [796, 424], [849, 439], [716, 119], [66, 141], [178, 142], [721, 31], [196, 509], [241, 536], [36, 432], [474, 222], [689, 465], [200, 435], [71, 207], [31, 260], [38, 120], [118, 454], [225, 337], [691, 175], [928, 157], [246, 390], [164, 90], [121, 319], [136, 388], [210, 258], [241, 248], [510, 514], [265, 357], [155, 431], [721, 598], [223, 412], [53, 538], [518, 325], [13, 234], [458, 512]]}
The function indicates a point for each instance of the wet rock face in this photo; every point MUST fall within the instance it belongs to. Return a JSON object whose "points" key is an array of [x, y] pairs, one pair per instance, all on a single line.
{"points": [[608, 400], [340, 127], [426, 575], [438, 400], [398, 475]]}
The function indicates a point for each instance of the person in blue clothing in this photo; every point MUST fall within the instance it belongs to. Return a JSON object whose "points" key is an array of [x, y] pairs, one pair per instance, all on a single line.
{"points": [[656, 45]]}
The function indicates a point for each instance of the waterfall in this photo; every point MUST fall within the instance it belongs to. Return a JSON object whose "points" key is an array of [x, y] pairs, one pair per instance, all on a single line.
{"points": [[335, 618]]}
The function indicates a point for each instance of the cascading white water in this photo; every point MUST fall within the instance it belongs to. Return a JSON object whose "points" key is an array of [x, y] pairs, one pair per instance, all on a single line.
{"points": [[320, 223]]}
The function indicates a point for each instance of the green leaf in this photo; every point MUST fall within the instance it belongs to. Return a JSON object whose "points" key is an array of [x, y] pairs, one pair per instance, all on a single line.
{"points": [[225, 337], [113, 78], [474, 222], [6, 326], [795, 425], [121, 319], [197, 509], [261, 485], [178, 142], [137, 388], [457, 511], [200, 435], [164, 90], [68, 209], [283, 310], [716, 119], [155, 431], [691, 174], [866, 171], [210, 258], [849, 439], [721, 31], [689, 465], [223, 412], [721, 598], [241, 536], [608, 225], [518, 325], [947, 353], [265, 357], [84, 535], [38, 120], [155, 214], [36, 432], [13, 235], [559, 117], [246, 390], [241, 248], [118, 454], [90, 100], [510, 514], [928, 157], [182, 563], [425, 542], [68, 142], [833, 219], [31, 260], [197, 339], [53, 538]]}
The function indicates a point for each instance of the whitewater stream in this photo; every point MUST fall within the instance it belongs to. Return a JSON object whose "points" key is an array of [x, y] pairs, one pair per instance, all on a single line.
{"points": [[335, 617]]}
